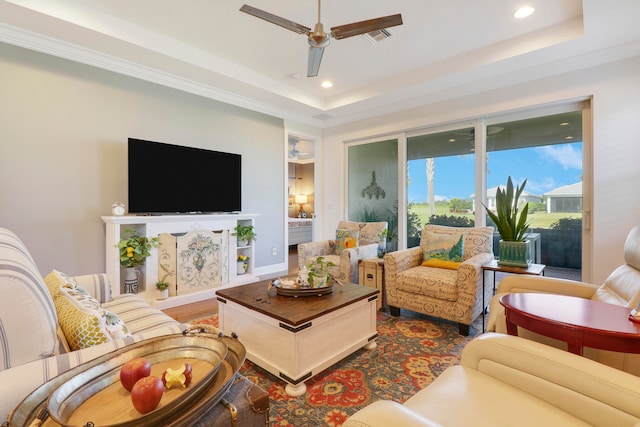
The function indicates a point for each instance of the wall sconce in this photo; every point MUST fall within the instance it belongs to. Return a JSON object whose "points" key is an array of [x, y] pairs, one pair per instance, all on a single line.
{"points": [[301, 199]]}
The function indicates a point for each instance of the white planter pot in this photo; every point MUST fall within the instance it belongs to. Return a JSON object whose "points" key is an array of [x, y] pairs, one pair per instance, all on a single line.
{"points": [[162, 293], [242, 267]]}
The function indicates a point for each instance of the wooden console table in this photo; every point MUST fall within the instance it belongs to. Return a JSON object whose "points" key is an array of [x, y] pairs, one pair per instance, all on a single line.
{"points": [[153, 226], [577, 321]]}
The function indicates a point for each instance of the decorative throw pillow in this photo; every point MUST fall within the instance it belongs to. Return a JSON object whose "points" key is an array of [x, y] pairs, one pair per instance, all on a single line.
{"points": [[346, 239], [81, 317], [444, 250]]}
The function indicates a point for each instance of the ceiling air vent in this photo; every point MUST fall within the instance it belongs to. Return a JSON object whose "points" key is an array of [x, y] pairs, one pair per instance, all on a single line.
{"points": [[377, 35]]}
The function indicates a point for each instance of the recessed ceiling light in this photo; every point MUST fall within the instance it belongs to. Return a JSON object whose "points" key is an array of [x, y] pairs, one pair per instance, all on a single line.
{"points": [[523, 12], [568, 137], [452, 140], [564, 124], [326, 84]]}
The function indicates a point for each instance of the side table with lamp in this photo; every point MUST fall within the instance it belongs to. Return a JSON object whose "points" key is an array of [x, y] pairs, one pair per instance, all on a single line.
{"points": [[301, 199]]}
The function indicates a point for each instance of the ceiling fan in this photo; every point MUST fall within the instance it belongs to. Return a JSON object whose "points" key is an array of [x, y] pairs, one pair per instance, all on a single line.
{"points": [[317, 38], [294, 153]]}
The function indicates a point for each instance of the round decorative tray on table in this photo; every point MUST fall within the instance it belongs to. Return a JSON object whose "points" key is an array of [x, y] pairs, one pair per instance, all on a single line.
{"points": [[287, 287], [215, 361], [303, 292]]}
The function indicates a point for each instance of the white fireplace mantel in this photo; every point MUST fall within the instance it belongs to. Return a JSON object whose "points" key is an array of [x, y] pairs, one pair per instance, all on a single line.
{"points": [[152, 226]]}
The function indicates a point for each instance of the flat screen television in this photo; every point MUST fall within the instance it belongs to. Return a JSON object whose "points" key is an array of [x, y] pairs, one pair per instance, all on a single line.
{"points": [[174, 179]]}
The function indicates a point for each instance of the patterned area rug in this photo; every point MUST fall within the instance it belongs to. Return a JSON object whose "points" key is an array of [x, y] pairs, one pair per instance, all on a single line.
{"points": [[412, 351]]}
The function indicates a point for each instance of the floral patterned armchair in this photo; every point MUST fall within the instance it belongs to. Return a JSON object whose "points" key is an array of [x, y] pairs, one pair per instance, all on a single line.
{"points": [[452, 294], [346, 262]]}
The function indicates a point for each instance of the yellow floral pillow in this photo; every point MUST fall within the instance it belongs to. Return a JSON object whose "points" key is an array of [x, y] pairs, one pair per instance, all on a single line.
{"points": [[444, 250], [346, 239], [81, 317]]}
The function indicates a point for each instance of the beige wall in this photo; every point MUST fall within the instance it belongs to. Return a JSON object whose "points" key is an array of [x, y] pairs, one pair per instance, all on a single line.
{"points": [[63, 159], [63, 131], [615, 173]]}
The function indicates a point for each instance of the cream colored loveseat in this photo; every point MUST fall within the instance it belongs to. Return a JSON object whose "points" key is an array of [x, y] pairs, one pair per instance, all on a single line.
{"points": [[622, 287], [511, 381], [32, 348]]}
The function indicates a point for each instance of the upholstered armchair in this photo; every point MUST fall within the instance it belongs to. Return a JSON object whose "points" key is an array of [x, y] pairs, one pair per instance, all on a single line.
{"points": [[364, 237], [447, 290], [622, 287]]}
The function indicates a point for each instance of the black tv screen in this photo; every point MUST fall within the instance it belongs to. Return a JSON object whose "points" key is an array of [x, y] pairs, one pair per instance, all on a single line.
{"points": [[166, 178]]}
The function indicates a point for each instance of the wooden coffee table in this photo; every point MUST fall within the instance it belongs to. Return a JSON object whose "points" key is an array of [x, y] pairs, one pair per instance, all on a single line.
{"points": [[577, 321], [295, 338]]}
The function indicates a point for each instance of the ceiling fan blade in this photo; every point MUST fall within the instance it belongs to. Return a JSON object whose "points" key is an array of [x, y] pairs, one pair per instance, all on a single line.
{"points": [[363, 27], [269, 17], [315, 57]]}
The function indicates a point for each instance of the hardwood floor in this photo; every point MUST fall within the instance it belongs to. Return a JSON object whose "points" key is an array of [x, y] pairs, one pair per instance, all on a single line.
{"points": [[187, 312]]}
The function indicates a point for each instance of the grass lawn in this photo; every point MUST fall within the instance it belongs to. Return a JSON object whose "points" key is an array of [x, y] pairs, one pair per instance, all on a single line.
{"points": [[536, 219]]}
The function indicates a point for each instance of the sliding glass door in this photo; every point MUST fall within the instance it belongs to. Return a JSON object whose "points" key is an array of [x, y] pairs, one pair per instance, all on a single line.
{"points": [[440, 180], [448, 175], [547, 151]]}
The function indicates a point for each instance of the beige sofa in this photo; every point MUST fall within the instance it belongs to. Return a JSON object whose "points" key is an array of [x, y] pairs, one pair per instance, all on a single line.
{"points": [[33, 349], [511, 381], [622, 287], [454, 295], [346, 263]]}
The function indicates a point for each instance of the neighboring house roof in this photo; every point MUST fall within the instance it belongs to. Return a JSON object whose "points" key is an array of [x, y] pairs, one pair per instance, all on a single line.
{"points": [[491, 193], [571, 190]]}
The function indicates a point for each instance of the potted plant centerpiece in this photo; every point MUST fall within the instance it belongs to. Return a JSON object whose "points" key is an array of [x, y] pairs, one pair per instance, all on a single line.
{"points": [[512, 226], [244, 234], [315, 274], [163, 289], [133, 250]]}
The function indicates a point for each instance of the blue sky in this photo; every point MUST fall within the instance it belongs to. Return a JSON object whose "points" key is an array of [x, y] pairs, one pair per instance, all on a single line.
{"points": [[545, 168]]}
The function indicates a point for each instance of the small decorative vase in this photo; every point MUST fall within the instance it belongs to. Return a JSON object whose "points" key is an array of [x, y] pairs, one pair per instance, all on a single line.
{"points": [[243, 243], [162, 293], [131, 278], [242, 267], [382, 247], [514, 254]]}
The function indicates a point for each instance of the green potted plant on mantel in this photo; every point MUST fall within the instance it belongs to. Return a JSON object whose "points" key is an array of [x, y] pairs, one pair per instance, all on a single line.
{"points": [[512, 225], [163, 289], [245, 234], [134, 250]]}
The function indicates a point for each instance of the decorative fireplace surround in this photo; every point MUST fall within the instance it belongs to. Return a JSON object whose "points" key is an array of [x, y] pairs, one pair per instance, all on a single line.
{"points": [[161, 225]]}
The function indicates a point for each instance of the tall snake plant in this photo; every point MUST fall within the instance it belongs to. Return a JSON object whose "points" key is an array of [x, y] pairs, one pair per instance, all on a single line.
{"points": [[511, 227]]}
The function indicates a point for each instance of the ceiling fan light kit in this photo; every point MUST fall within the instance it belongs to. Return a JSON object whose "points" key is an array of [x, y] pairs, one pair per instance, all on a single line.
{"points": [[317, 38]]}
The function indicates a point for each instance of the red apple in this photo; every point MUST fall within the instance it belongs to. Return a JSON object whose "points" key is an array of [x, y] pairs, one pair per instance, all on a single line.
{"points": [[133, 370], [146, 394], [180, 377]]}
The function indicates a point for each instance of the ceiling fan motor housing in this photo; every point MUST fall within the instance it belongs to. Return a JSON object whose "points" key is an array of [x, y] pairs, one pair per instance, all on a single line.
{"points": [[318, 38]]}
